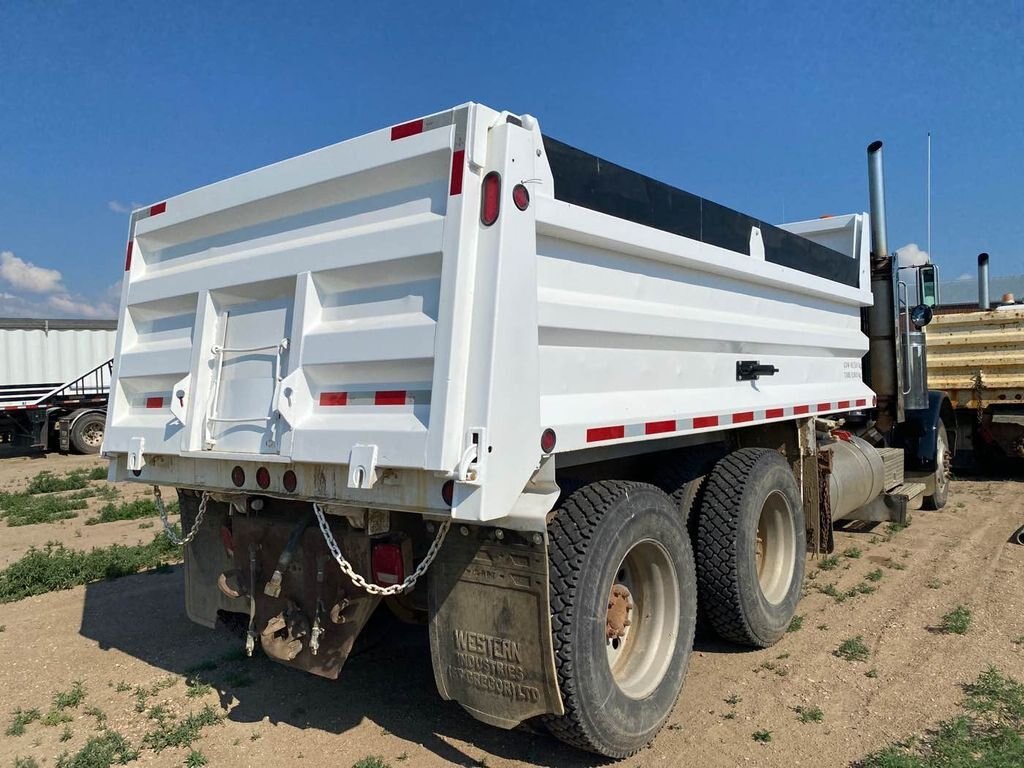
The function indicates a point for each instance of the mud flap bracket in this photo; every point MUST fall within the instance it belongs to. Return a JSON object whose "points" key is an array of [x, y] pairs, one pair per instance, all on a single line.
{"points": [[490, 626]]}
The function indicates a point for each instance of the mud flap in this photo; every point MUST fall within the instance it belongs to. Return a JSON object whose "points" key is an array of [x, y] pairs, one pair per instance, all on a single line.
{"points": [[490, 627]]}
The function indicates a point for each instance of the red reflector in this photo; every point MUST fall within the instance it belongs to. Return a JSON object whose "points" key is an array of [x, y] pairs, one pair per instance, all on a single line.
{"points": [[263, 477], [157, 209], [824, 407], [289, 481], [658, 427], [128, 257], [388, 567], [334, 398], [521, 196], [548, 439], [605, 433], [775, 413], [490, 203], [448, 492], [238, 477], [699, 422], [395, 397], [458, 165], [798, 409], [154, 402], [861, 403], [406, 129], [739, 418], [843, 404]]}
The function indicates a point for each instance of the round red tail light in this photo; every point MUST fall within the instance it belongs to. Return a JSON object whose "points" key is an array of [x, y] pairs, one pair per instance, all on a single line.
{"points": [[263, 477], [548, 440], [490, 203], [448, 492], [238, 477], [289, 480], [521, 196]]}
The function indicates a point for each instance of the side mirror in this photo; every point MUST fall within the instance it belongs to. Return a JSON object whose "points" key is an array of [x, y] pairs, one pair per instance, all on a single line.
{"points": [[920, 315], [928, 285]]}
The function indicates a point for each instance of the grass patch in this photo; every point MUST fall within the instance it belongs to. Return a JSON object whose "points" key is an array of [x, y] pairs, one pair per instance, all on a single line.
{"points": [[129, 510], [66, 734], [875, 575], [47, 482], [957, 621], [989, 732], [23, 509], [852, 552], [853, 649], [196, 688], [70, 698], [733, 700], [122, 686], [25, 762], [829, 563], [863, 588], [762, 736], [97, 473], [101, 751], [371, 762], [795, 624], [55, 567], [21, 718], [891, 529], [934, 584], [812, 714], [872, 673], [56, 717], [181, 733], [196, 759]]}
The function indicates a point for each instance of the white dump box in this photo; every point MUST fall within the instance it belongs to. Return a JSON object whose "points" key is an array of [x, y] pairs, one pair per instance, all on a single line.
{"points": [[39, 356], [461, 299]]}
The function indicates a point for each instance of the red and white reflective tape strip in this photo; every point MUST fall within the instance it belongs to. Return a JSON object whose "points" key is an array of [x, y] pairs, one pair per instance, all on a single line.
{"points": [[379, 397], [621, 431], [458, 117]]}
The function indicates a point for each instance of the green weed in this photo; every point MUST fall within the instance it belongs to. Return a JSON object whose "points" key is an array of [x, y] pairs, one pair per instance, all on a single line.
{"points": [[183, 732], [957, 621], [875, 575], [811, 714], [129, 510], [100, 751], [196, 759], [21, 718], [829, 563], [795, 624], [853, 649], [762, 736], [852, 552], [371, 762]]}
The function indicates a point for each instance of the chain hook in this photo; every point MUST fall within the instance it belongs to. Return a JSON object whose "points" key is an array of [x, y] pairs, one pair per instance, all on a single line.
{"points": [[168, 530]]}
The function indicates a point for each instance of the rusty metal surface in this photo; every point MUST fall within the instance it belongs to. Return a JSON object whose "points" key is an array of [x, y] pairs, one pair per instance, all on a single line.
{"points": [[490, 627], [285, 624]]}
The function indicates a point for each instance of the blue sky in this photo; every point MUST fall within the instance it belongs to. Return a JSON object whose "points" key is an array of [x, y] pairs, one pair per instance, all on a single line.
{"points": [[765, 107]]}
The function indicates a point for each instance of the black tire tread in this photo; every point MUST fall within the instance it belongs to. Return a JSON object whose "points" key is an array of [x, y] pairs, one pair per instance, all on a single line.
{"points": [[717, 537]]}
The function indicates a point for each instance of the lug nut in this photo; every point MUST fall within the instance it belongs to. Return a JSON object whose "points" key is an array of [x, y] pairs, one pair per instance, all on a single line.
{"points": [[538, 539], [499, 534], [464, 530]]}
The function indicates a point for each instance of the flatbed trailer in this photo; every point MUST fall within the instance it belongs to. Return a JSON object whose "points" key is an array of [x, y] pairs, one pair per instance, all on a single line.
{"points": [[54, 382], [540, 402]]}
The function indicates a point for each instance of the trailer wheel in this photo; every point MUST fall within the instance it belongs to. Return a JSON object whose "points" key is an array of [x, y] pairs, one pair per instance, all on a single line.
{"points": [[87, 433], [751, 546], [623, 605], [943, 464]]}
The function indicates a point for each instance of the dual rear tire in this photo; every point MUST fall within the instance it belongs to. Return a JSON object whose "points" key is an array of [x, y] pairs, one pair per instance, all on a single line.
{"points": [[624, 589]]}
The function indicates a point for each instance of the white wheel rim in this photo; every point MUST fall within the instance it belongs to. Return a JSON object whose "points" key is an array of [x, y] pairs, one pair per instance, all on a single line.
{"points": [[775, 548], [639, 658]]}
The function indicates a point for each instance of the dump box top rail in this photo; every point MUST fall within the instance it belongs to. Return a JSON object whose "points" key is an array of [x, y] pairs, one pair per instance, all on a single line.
{"points": [[349, 312]]}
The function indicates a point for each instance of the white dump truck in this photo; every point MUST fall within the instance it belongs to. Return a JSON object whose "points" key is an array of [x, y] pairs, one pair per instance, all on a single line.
{"points": [[54, 380], [544, 404]]}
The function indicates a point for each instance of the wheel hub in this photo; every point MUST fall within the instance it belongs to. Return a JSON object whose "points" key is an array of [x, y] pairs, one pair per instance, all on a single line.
{"points": [[620, 603]]}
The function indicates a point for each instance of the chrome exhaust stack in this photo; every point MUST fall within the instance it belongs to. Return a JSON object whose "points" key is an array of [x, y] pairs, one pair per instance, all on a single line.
{"points": [[983, 298]]}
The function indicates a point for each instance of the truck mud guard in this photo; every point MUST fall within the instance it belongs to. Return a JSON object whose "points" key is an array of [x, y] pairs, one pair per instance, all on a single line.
{"points": [[918, 434], [490, 625]]}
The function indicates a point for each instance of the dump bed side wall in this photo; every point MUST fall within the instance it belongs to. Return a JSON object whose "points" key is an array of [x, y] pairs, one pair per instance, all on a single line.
{"points": [[34, 361], [978, 357]]}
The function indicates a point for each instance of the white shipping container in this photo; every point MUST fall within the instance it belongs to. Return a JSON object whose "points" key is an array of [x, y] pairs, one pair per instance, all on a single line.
{"points": [[37, 356]]}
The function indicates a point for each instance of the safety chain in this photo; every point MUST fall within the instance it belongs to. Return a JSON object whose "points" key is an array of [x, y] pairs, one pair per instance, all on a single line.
{"points": [[175, 539], [359, 581]]}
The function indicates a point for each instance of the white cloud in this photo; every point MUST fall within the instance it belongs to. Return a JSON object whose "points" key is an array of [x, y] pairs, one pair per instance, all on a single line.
{"points": [[911, 256], [965, 276], [81, 307], [26, 276], [118, 207]]}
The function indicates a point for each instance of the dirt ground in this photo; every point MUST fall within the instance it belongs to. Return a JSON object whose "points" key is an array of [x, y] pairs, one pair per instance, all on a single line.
{"points": [[118, 635]]}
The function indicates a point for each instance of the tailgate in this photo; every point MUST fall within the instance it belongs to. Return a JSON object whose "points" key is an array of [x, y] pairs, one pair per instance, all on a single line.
{"points": [[296, 311]]}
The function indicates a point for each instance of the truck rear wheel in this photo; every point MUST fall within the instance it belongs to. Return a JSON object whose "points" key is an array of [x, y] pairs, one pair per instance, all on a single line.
{"points": [[751, 546], [623, 604], [87, 433]]}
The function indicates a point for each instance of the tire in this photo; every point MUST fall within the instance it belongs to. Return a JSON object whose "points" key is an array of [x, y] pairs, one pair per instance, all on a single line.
{"points": [[943, 462], [683, 478], [87, 433], [618, 693], [751, 497]]}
